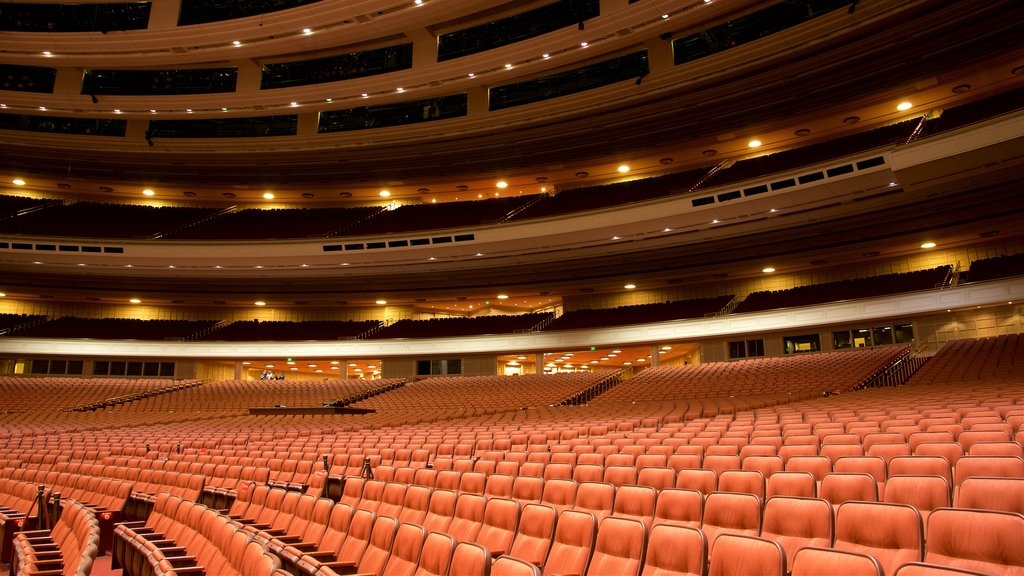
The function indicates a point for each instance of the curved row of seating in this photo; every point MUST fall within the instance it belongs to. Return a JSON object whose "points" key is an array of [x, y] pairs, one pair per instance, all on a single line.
{"points": [[69, 548]]}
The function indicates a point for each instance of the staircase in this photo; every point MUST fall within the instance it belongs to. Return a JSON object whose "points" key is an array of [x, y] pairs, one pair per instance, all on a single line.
{"points": [[586, 395], [897, 372]]}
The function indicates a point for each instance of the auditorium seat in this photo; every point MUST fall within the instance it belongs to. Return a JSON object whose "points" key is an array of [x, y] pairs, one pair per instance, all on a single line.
{"points": [[925, 569], [838, 488], [467, 518], [799, 484], [703, 481], [730, 513], [440, 511], [746, 481], [436, 555], [597, 498], [534, 534], [679, 507], [982, 540], [735, 554], [572, 544], [891, 533], [797, 522], [560, 494], [415, 505], [619, 548], [405, 551], [512, 566], [828, 562], [925, 493], [498, 527], [921, 466], [657, 477], [470, 559], [675, 551], [1006, 494]]}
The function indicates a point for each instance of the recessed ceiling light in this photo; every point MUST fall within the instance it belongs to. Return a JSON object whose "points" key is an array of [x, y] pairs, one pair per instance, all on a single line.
{"points": [[767, 269], [117, 110], [584, 44], [664, 16], [43, 108], [502, 296], [754, 143], [927, 245], [189, 110], [365, 95], [260, 303], [616, 238], [223, 109], [352, 364], [507, 66], [268, 365], [773, 210], [501, 184], [623, 168], [629, 286], [152, 110], [385, 193], [382, 302], [307, 31], [268, 195], [18, 182], [237, 43], [545, 56], [135, 301], [616, 351], [37, 262], [715, 221], [148, 192], [904, 106], [471, 75], [400, 89], [329, 100], [667, 230], [47, 53], [294, 104]]}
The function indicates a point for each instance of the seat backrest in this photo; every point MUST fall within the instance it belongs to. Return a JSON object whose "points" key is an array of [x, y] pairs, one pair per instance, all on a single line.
{"points": [[818, 466], [472, 483], [797, 522], [799, 484], [436, 555], [533, 537], [675, 550], [405, 551], [512, 566], [657, 477], [921, 466], [559, 494], [826, 562], [337, 528], [500, 521], [572, 544], [730, 513], [988, 467], [635, 502], [1006, 494], [527, 489], [352, 492], [703, 481], [619, 548], [378, 550], [468, 517], [892, 533], [925, 493], [598, 498], [736, 554], [838, 488], [982, 540], [415, 504], [470, 559], [440, 511], [679, 507], [358, 538], [747, 481]]}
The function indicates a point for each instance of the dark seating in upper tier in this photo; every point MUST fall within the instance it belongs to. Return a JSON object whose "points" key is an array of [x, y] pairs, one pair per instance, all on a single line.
{"points": [[311, 330], [116, 328], [437, 216], [639, 314], [99, 220], [440, 327], [994, 268], [257, 224], [9, 321], [844, 290]]}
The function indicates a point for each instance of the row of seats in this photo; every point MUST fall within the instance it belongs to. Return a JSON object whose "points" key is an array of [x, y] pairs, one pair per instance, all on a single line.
{"points": [[70, 547]]}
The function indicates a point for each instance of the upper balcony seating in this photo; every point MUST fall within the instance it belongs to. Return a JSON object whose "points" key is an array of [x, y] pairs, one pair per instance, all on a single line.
{"points": [[9, 321], [844, 290], [100, 220], [116, 328], [415, 217], [995, 268], [257, 224], [638, 313], [245, 330], [11, 205], [442, 327]]}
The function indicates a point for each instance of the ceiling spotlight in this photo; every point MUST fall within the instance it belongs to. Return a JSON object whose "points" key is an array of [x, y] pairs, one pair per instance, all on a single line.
{"points": [[148, 192], [385, 193], [382, 302], [268, 195], [502, 296], [400, 89], [18, 182], [767, 269], [584, 44], [715, 221], [623, 168], [904, 106], [294, 104], [927, 245], [508, 66], [259, 303], [418, 2], [307, 31], [135, 301], [754, 143], [471, 75], [237, 43], [545, 56], [629, 286], [502, 184]]}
